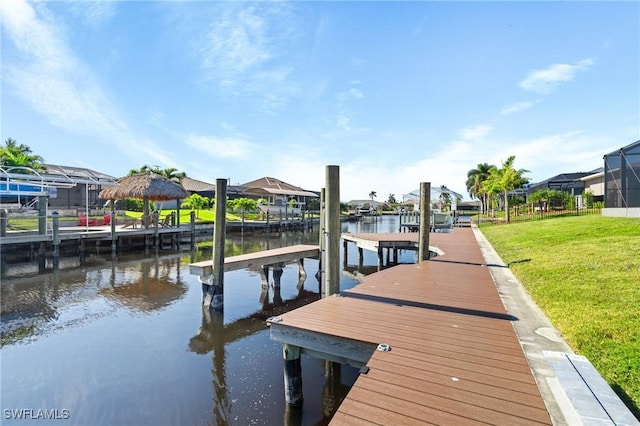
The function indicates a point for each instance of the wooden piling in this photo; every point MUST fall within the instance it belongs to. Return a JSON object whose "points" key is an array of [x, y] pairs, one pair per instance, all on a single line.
{"points": [[278, 270], [192, 226], [268, 226], [425, 218], [321, 241], [56, 234], [332, 221], [114, 236], [219, 236], [156, 240], [264, 276], [3, 222], [292, 375], [42, 214]]}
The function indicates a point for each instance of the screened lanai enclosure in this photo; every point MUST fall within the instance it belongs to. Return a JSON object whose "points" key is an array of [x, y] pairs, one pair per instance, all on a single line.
{"points": [[622, 181], [64, 188]]}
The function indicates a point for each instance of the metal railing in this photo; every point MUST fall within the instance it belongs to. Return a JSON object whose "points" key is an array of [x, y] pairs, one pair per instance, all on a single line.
{"points": [[521, 215]]}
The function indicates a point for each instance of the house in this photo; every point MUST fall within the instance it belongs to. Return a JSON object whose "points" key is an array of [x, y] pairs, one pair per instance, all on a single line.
{"points": [[413, 197], [277, 193], [565, 182], [208, 190], [67, 189], [364, 206], [594, 183], [622, 181]]}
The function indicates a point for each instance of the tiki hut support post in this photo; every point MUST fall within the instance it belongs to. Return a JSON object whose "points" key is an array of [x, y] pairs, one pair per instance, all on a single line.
{"points": [[214, 297]]}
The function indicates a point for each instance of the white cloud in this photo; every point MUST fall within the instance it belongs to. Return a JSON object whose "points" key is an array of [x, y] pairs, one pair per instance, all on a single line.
{"points": [[517, 107], [343, 121], [356, 93], [217, 147], [360, 175], [94, 13], [545, 81], [239, 52], [48, 77], [237, 42], [477, 132]]}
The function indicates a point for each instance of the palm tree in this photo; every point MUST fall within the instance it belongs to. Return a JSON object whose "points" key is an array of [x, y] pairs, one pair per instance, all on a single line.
{"points": [[14, 155], [506, 179], [475, 180], [445, 198], [173, 174], [170, 173], [372, 195]]}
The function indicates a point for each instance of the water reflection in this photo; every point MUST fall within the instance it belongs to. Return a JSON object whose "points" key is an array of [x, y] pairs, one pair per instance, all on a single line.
{"points": [[124, 340], [32, 304]]}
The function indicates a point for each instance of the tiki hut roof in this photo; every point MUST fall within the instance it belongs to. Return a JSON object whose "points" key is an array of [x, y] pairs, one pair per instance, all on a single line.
{"points": [[144, 185]]}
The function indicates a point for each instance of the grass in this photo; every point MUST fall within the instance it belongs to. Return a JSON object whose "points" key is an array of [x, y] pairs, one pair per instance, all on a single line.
{"points": [[202, 216], [31, 223], [584, 273]]}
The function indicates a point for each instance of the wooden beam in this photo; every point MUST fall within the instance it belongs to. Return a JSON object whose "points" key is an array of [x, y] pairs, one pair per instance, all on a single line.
{"points": [[332, 348], [258, 259]]}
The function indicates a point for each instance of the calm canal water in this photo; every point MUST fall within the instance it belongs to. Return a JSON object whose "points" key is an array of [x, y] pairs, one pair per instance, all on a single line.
{"points": [[126, 341]]}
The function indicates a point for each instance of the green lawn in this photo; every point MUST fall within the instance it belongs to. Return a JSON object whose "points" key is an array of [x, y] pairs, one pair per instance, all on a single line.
{"points": [[584, 273], [204, 215]]}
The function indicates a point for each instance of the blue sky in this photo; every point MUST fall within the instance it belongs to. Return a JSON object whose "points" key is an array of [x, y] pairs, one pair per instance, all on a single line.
{"points": [[395, 93]]}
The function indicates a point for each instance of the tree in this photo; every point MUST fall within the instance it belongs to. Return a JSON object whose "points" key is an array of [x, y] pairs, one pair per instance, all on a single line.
{"points": [[475, 181], [373, 195], [170, 173], [313, 204], [506, 179], [14, 155], [445, 198], [243, 204], [173, 174], [392, 199], [195, 202], [545, 197]]}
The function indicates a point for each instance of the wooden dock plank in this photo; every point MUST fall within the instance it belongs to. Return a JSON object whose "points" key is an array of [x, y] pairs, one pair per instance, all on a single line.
{"points": [[397, 411], [454, 359], [383, 394], [331, 319], [435, 382], [257, 259]]}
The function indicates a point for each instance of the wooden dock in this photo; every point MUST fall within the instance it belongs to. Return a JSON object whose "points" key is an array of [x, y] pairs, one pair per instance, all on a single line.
{"points": [[79, 240], [258, 259], [381, 242], [433, 340]]}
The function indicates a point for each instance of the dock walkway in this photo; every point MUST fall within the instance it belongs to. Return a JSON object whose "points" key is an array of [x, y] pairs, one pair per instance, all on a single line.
{"points": [[434, 340]]}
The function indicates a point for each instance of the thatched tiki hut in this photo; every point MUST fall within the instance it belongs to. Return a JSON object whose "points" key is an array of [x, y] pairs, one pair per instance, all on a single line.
{"points": [[146, 186]]}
